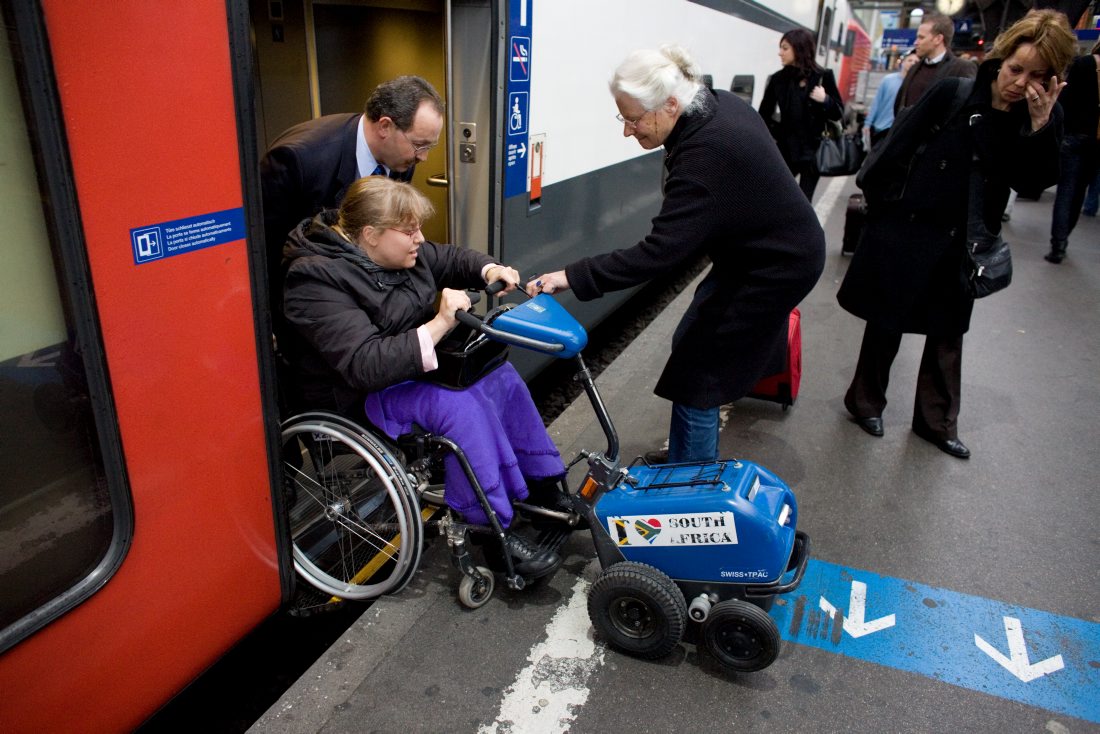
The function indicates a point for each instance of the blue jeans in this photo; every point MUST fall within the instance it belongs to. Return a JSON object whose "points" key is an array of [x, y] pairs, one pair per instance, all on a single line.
{"points": [[1092, 198], [693, 434], [1079, 163]]}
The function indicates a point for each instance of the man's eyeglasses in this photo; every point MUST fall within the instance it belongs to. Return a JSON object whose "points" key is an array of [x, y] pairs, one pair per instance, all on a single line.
{"points": [[632, 124], [417, 149]]}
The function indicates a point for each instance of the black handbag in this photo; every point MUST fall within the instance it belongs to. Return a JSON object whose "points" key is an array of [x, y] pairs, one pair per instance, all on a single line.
{"points": [[839, 154], [465, 356], [988, 267]]}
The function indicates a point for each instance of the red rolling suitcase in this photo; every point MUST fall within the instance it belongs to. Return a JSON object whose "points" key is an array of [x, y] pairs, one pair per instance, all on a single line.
{"points": [[782, 388]]}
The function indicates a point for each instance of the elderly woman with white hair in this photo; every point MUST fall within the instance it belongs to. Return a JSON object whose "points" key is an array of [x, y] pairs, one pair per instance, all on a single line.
{"points": [[728, 195]]}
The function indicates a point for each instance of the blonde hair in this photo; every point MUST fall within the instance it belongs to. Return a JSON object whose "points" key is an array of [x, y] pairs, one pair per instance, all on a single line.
{"points": [[651, 76], [382, 203], [1048, 31]]}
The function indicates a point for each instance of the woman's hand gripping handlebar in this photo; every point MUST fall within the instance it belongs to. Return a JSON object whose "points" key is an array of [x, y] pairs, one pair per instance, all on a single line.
{"points": [[483, 325]]}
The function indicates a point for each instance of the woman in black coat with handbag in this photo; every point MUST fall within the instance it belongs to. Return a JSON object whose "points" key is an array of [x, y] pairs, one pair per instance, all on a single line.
{"points": [[909, 274], [805, 96]]}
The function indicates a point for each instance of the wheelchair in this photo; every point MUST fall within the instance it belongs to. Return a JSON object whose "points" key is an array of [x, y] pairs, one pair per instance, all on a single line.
{"points": [[361, 505]]}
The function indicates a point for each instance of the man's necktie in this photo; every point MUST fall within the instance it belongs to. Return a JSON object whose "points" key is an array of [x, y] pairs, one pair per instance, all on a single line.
{"points": [[379, 171]]}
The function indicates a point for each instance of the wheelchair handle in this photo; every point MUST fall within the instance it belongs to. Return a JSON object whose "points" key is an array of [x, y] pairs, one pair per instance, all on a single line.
{"points": [[490, 290], [475, 323]]}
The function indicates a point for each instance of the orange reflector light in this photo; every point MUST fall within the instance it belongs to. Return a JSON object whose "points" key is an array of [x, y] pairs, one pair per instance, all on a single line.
{"points": [[588, 491]]}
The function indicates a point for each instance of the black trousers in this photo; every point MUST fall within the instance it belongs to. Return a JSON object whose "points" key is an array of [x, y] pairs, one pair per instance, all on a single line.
{"points": [[807, 177], [939, 380]]}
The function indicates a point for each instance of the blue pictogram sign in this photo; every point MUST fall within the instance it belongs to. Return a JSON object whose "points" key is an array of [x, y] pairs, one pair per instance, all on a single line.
{"points": [[516, 128], [519, 70], [158, 241]]}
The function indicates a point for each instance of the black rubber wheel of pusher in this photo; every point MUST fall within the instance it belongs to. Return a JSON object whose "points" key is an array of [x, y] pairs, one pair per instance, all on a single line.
{"points": [[741, 636], [638, 609]]}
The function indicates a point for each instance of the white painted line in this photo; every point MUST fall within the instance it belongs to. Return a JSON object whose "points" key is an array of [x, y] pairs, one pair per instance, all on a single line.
{"points": [[826, 205], [548, 694]]}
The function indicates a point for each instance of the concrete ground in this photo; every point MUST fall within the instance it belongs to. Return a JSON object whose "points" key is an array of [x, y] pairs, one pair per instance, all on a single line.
{"points": [[1009, 535]]}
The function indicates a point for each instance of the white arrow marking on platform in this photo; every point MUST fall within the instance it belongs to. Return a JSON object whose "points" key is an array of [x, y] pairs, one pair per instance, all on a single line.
{"points": [[857, 609], [1017, 662]]}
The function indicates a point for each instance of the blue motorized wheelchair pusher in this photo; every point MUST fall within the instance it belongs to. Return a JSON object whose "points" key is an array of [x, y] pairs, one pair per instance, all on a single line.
{"points": [[720, 534]]}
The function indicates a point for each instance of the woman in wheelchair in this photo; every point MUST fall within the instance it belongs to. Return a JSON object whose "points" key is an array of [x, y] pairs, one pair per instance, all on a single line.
{"points": [[361, 284]]}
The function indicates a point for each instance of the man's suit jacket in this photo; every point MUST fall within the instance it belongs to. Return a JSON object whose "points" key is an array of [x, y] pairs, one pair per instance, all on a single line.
{"points": [[951, 65], [306, 170]]}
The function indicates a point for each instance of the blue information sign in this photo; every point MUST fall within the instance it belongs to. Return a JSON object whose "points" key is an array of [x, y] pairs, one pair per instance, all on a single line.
{"points": [[1013, 652], [903, 38], [158, 241], [516, 148]]}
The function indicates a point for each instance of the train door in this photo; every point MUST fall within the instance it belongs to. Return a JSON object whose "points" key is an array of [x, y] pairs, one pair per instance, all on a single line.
{"points": [[320, 57], [140, 533]]}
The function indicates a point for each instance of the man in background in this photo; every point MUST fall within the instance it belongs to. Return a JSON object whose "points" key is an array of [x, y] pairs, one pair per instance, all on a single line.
{"points": [[933, 46], [881, 115]]}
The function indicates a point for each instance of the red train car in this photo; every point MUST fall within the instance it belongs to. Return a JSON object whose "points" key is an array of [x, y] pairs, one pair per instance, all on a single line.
{"points": [[137, 518]]}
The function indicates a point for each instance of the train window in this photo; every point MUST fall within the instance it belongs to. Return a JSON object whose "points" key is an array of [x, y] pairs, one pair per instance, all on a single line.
{"points": [[59, 516]]}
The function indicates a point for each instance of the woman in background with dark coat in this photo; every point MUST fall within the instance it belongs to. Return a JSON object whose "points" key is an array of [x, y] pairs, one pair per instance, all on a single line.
{"points": [[805, 95], [908, 274], [729, 196]]}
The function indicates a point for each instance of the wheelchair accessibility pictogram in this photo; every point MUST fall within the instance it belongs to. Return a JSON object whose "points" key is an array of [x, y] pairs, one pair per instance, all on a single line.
{"points": [[517, 114]]}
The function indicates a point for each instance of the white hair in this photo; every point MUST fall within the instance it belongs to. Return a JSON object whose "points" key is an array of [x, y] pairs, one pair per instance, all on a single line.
{"points": [[651, 76]]}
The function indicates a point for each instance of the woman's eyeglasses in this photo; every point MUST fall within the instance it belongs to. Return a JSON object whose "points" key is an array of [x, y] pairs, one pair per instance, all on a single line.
{"points": [[410, 233], [632, 124]]}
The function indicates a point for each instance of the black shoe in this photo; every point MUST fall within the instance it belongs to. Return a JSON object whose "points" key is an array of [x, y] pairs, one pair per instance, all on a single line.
{"points": [[871, 425], [547, 493], [659, 456], [952, 446], [1057, 251], [528, 559]]}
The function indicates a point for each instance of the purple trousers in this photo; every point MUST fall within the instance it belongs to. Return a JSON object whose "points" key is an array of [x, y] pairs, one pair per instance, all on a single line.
{"points": [[495, 423]]}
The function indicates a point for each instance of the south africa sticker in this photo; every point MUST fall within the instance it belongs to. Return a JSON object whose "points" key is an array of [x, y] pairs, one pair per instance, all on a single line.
{"points": [[689, 528]]}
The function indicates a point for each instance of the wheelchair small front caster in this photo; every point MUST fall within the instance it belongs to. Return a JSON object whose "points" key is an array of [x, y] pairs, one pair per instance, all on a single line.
{"points": [[474, 592]]}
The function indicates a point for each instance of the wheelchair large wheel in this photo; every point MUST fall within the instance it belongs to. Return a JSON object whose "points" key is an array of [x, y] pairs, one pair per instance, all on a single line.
{"points": [[638, 609], [354, 520], [741, 636]]}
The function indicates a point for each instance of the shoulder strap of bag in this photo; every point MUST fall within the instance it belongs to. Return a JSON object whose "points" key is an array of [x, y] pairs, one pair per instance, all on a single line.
{"points": [[962, 93]]}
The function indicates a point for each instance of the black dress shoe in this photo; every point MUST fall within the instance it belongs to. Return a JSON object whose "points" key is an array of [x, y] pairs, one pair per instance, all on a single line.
{"points": [[952, 446], [529, 559], [871, 425]]}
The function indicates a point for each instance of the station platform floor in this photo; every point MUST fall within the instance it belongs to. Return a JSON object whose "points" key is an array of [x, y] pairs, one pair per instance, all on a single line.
{"points": [[966, 593]]}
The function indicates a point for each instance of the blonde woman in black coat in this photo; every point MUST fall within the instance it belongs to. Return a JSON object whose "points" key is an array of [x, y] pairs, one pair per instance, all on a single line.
{"points": [[908, 274], [804, 95], [729, 196]]}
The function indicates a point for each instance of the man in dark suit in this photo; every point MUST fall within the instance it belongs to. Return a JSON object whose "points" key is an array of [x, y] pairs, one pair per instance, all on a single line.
{"points": [[310, 166], [933, 46]]}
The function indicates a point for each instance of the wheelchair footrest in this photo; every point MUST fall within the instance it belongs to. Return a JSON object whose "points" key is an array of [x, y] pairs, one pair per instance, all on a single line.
{"points": [[553, 538]]}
